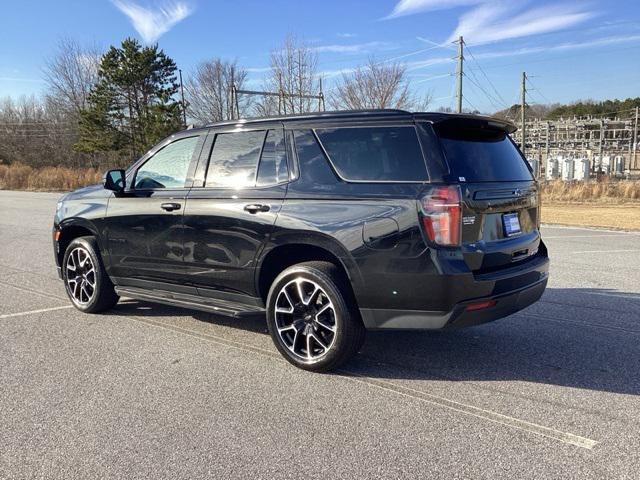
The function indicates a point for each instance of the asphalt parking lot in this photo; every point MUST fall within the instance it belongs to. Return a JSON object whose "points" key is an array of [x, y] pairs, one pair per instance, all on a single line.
{"points": [[150, 391]]}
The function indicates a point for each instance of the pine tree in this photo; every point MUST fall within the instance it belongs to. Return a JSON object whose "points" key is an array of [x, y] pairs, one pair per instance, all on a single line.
{"points": [[132, 106]]}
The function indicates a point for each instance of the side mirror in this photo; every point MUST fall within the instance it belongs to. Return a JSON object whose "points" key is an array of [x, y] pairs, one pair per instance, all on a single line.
{"points": [[114, 180]]}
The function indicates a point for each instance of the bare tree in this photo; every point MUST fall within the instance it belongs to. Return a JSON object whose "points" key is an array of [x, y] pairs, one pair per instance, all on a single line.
{"points": [[209, 91], [71, 74], [377, 85], [294, 73]]}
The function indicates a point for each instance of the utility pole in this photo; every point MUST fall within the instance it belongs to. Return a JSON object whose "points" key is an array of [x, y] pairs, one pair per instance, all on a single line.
{"points": [[635, 140], [460, 72], [523, 105], [184, 110], [300, 73]]}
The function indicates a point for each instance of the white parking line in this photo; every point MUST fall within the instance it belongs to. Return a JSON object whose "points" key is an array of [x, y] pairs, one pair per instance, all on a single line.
{"points": [[390, 387], [42, 310], [547, 237], [606, 251], [587, 229], [494, 417]]}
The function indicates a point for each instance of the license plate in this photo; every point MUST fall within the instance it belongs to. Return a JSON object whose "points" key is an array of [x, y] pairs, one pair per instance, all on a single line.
{"points": [[511, 224]]}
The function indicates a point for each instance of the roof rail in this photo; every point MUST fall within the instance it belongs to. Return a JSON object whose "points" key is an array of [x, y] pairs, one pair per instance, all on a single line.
{"points": [[302, 116]]}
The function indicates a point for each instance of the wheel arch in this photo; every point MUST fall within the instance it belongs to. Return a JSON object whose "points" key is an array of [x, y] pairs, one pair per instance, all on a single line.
{"points": [[285, 254], [70, 230]]}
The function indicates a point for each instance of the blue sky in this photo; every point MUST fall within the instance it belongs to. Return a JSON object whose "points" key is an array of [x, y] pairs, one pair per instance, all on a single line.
{"points": [[571, 49]]}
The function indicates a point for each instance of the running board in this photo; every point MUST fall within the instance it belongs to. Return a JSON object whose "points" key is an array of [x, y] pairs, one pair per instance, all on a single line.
{"points": [[205, 304]]}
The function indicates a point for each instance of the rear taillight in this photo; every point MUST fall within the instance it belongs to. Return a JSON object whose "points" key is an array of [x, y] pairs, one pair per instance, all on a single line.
{"points": [[440, 211]]}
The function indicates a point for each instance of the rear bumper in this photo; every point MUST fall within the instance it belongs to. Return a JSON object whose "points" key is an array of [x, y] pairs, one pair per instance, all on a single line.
{"points": [[527, 288]]}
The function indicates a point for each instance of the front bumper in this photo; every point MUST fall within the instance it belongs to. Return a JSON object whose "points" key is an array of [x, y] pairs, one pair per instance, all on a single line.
{"points": [[510, 295]]}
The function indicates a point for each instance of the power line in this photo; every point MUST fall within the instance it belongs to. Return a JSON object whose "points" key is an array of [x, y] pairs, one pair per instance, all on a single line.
{"points": [[559, 57], [494, 102], [538, 90], [485, 76], [384, 60], [472, 105]]}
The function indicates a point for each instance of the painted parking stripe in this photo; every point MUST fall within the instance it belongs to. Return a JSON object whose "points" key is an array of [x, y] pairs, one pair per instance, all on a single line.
{"points": [[30, 312], [587, 229], [489, 415], [557, 237], [390, 387], [607, 251], [31, 290]]}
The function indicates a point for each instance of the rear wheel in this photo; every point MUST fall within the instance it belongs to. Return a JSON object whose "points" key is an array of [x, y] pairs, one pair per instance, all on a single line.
{"points": [[312, 317], [87, 284]]}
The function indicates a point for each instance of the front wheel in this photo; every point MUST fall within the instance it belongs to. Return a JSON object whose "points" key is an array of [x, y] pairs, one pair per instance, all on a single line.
{"points": [[87, 284], [312, 317]]}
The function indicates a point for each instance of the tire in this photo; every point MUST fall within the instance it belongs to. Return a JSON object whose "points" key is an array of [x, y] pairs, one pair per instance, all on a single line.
{"points": [[312, 317], [90, 290]]}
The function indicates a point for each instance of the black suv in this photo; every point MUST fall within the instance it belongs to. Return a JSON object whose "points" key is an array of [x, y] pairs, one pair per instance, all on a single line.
{"points": [[330, 223]]}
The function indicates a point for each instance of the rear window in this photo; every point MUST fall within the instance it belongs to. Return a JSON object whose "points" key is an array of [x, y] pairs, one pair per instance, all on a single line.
{"points": [[375, 153], [482, 155]]}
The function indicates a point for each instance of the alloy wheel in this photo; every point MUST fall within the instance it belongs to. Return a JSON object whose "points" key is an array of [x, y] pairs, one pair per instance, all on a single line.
{"points": [[81, 276], [305, 319]]}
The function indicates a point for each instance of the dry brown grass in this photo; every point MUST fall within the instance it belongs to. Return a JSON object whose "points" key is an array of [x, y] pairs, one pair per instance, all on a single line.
{"points": [[624, 191], [23, 177], [624, 217]]}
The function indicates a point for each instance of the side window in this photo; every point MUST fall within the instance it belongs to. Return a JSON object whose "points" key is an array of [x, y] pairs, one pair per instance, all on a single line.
{"points": [[234, 159], [375, 153], [273, 162], [314, 168], [168, 167]]}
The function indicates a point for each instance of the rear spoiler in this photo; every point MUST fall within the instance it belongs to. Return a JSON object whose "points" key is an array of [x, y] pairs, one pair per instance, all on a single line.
{"points": [[476, 121]]}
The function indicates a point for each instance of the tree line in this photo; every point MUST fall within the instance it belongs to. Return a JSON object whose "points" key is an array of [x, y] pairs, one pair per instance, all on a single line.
{"points": [[608, 109], [106, 108]]}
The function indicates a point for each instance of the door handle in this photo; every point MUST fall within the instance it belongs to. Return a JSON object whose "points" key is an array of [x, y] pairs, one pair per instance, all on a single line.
{"points": [[170, 207], [256, 207]]}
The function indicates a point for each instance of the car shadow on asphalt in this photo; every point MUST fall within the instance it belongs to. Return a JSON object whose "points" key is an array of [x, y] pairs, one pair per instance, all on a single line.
{"points": [[579, 338]]}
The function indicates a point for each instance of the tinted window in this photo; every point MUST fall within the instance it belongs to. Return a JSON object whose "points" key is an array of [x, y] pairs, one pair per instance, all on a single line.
{"points": [[375, 153], [168, 167], [234, 159], [273, 162], [482, 155], [315, 172]]}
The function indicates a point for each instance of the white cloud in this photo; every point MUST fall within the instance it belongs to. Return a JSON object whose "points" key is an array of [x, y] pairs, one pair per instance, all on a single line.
{"points": [[21, 80], [410, 7], [152, 23], [568, 46], [498, 20], [347, 35], [494, 20], [258, 69], [335, 73], [354, 48], [598, 42]]}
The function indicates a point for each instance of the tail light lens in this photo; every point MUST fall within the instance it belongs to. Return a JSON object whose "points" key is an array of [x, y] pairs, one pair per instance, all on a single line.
{"points": [[441, 215]]}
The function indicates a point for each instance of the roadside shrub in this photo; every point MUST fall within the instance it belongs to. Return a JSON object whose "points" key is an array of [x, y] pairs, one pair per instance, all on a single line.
{"points": [[592, 191], [23, 177]]}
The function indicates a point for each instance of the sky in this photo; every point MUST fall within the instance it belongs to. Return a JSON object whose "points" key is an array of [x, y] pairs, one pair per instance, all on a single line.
{"points": [[571, 50]]}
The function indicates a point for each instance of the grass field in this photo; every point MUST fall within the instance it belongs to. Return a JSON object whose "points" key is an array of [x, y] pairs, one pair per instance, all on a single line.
{"points": [[613, 204], [622, 217]]}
